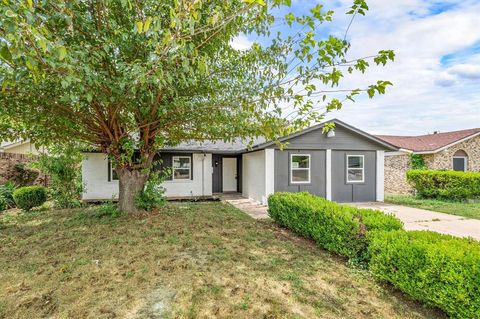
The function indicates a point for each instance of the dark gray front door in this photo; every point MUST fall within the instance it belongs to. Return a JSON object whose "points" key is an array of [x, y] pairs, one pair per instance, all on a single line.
{"points": [[217, 173]]}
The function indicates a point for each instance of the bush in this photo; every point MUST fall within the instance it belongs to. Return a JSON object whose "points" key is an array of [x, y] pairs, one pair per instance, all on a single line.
{"points": [[29, 197], [339, 228], [6, 192], [152, 196], [108, 209], [62, 165], [3, 204], [450, 185], [440, 270]]}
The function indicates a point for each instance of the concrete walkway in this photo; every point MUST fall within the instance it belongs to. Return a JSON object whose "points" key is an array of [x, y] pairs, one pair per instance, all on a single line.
{"points": [[421, 219], [248, 206]]}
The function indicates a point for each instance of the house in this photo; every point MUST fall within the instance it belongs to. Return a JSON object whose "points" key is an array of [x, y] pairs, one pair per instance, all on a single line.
{"points": [[344, 165], [457, 150], [20, 147]]}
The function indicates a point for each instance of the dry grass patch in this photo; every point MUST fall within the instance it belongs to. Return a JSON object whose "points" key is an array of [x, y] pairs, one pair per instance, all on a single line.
{"points": [[188, 260]]}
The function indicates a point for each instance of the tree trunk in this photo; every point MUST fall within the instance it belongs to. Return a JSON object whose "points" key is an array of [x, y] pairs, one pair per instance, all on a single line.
{"points": [[131, 183]]}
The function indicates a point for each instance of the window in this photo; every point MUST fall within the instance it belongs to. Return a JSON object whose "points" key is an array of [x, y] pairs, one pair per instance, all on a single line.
{"points": [[300, 168], [460, 160], [182, 167], [112, 174], [355, 169]]}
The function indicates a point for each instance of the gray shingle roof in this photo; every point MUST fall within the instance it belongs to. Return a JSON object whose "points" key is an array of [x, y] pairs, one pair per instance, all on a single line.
{"points": [[216, 146]]}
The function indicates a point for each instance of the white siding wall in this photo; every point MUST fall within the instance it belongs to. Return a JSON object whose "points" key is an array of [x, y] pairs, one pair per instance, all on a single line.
{"points": [[194, 187], [254, 176], [97, 186], [95, 178]]}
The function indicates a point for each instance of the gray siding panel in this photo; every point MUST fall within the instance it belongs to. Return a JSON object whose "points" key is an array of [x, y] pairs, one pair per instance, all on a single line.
{"points": [[317, 178], [353, 192], [343, 140]]}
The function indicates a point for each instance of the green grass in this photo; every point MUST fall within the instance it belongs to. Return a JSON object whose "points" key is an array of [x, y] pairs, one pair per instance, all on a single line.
{"points": [[188, 260], [465, 209]]}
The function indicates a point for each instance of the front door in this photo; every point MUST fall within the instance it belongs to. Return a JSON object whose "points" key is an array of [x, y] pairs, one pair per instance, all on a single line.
{"points": [[229, 174]]}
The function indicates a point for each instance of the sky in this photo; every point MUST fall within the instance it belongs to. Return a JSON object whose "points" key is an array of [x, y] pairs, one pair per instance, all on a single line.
{"points": [[436, 73]]}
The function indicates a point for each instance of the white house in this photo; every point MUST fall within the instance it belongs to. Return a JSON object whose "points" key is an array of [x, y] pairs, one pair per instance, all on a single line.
{"points": [[346, 165]]}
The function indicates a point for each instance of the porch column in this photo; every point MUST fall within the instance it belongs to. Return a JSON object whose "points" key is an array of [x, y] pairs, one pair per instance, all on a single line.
{"points": [[328, 174], [380, 176], [269, 173]]}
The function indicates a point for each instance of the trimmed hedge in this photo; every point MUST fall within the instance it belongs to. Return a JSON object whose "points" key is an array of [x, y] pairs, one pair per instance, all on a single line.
{"points": [[339, 228], [451, 185], [29, 197], [440, 270]]}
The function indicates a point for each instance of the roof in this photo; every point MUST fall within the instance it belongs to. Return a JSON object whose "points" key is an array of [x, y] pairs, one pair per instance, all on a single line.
{"points": [[242, 145], [7, 145], [430, 143]]}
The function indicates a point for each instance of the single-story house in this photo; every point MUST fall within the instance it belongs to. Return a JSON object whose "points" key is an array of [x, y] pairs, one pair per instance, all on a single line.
{"points": [[456, 150], [344, 165], [20, 147]]}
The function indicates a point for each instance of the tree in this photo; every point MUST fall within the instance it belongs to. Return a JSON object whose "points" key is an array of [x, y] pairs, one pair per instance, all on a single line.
{"points": [[127, 77]]}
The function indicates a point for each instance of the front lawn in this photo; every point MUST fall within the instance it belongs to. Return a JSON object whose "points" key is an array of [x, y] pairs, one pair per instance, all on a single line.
{"points": [[470, 210], [203, 260]]}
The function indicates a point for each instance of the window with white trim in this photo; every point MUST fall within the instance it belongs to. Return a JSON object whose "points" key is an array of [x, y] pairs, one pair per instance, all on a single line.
{"points": [[181, 167], [300, 168], [355, 168]]}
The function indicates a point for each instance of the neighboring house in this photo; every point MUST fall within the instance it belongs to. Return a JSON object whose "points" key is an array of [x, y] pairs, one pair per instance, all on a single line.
{"points": [[344, 165], [458, 150], [20, 147]]}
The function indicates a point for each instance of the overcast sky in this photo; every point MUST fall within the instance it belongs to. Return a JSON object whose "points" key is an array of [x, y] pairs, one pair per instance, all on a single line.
{"points": [[436, 73]]}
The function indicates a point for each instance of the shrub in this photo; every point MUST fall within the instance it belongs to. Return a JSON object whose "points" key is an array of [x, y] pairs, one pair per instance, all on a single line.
{"points": [[417, 161], [440, 270], [6, 191], [339, 228], [62, 165], [29, 197], [152, 196], [3, 204], [450, 185], [108, 209]]}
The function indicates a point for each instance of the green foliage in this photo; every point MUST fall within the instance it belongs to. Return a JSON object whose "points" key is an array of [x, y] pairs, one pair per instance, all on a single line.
{"points": [[152, 196], [339, 228], [108, 209], [440, 270], [6, 192], [3, 204], [450, 185], [24, 175], [29, 197], [62, 165], [417, 161], [152, 73]]}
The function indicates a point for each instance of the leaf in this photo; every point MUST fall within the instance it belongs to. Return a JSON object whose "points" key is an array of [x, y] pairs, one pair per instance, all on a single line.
{"points": [[30, 3], [62, 52], [139, 25], [146, 26], [5, 54], [43, 44]]}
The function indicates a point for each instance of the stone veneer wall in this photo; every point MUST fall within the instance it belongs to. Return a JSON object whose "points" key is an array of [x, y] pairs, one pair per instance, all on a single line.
{"points": [[444, 159], [396, 167]]}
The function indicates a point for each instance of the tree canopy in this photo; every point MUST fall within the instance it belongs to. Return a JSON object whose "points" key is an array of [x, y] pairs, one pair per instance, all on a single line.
{"points": [[124, 75]]}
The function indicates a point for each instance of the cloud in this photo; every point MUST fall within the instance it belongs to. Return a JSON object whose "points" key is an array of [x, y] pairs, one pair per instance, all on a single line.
{"points": [[241, 42], [467, 71], [428, 94]]}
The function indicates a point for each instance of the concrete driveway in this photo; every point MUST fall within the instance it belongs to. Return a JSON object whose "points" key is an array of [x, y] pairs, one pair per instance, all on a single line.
{"points": [[421, 219]]}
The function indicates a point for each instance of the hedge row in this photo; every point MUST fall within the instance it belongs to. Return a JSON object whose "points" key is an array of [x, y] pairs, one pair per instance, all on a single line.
{"points": [[445, 184], [440, 270], [338, 228]]}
